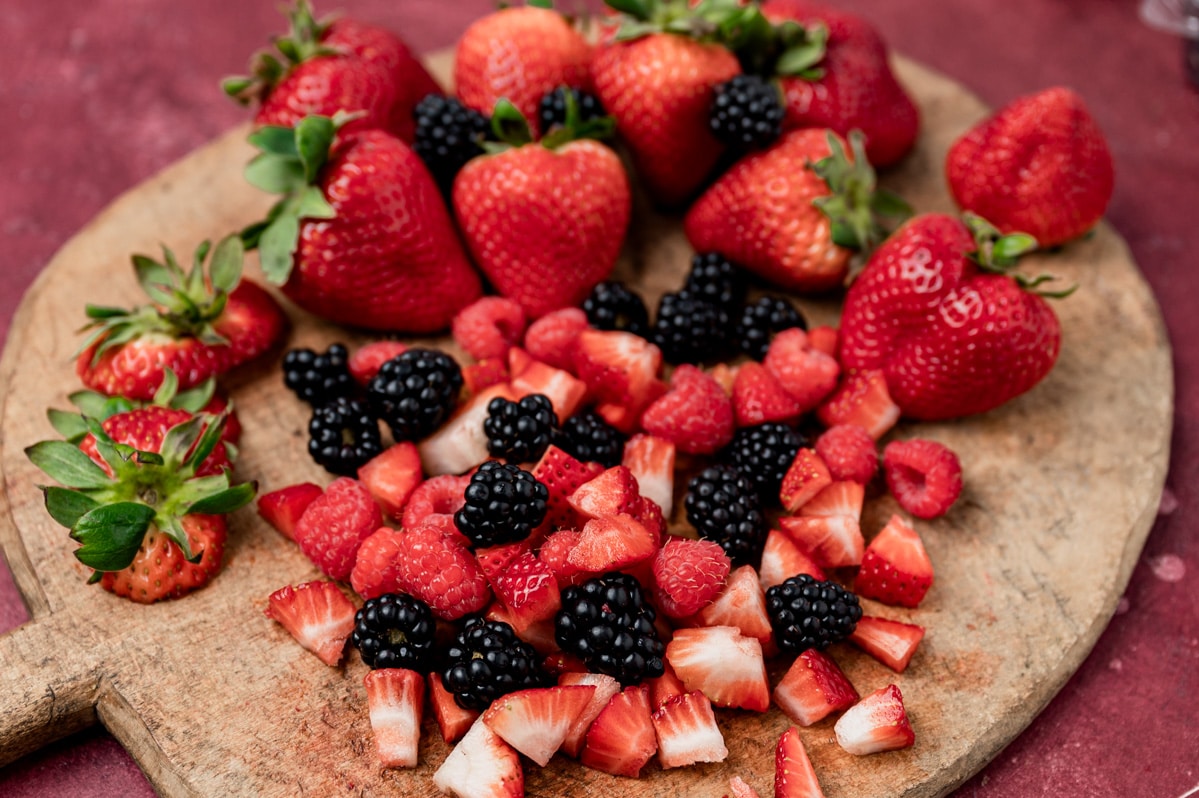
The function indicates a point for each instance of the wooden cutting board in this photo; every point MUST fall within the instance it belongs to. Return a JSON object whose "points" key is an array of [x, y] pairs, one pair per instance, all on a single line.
{"points": [[213, 699]]}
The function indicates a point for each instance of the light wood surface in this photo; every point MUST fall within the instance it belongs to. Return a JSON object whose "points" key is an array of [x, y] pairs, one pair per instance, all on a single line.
{"points": [[213, 699]]}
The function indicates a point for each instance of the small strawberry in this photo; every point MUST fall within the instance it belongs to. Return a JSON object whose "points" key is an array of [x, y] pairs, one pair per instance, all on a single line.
{"points": [[335, 523], [758, 397], [783, 558], [488, 327], [890, 642], [924, 476], [793, 773], [688, 574], [877, 723], [317, 614], [391, 476], [695, 415], [849, 452], [621, 739], [742, 604], [535, 721], [861, 399], [481, 764], [282, 508], [895, 568], [724, 664], [651, 461], [435, 568], [813, 688], [739, 788], [1039, 165], [687, 731], [365, 362], [395, 699], [551, 338]]}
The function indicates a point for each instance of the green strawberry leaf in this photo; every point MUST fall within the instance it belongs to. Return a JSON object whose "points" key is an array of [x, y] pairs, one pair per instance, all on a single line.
{"points": [[251, 234], [208, 440], [195, 399], [179, 439], [277, 247], [638, 9], [226, 501], [509, 124], [225, 268], [313, 205], [101, 312], [314, 136], [276, 140], [800, 57], [237, 86], [173, 529], [154, 278], [195, 489], [90, 403], [274, 174], [1008, 249], [67, 506], [166, 391], [67, 464], [69, 425], [111, 534]]}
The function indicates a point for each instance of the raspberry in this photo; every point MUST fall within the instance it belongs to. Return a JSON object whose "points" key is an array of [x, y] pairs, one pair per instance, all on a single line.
{"points": [[374, 565], [435, 568], [695, 414], [849, 452], [924, 476], [488, 327], [365, 362], [759, 398], [807, 374], [331, 529], [688, 574], [440, 495], [551, 338]]}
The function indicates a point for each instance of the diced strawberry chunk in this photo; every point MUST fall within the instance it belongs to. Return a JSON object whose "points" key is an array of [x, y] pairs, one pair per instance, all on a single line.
{"points": [[794, 776], [453, 720], [742, 604], [528, 589], [824, 339], [538, 634], [843, 498], [805, 373], [395, 698], [482, 765], [688, 574], [724, 664], [391, 476], [565, 391], [555, 553], [551, 338], [618, 367], [663, 688], [783, 558], [535, 721], [488, 327], [725, 376], [612, 543], [861, 399], [461, 443], [895, 568], [493, 560], [890, 642], [651, 460], [813, 688], [317, 614], [739, 789], [605, 688], [282, 508], [807, 476], [877, 723], [365, 362], [480, 376], [758, 398], [687, 731], [924, 476], [622, 738], [833, 541], [613, 491], [562, 475], [849, 452], [696, 415]]}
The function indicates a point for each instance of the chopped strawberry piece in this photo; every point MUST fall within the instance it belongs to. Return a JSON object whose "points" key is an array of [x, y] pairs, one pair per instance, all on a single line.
{"points": [[538, 634], [606, 687], [528, 589], [895, 568], [663, 688], [861, 399], [739, 789], [824, 339], [807, 476], [438, 570], [833, 541], [612, 492], [725, 376], [758, 397], [649, 514], [687, 731], [849, 452], [494, 559], [374, 570], [844, 498], [783, 558], [488, 327], [619, 368], [317, 614], [535, 721], [482, 765], [924, 476], [282, 508], [442, 495], [877, 723], [688, 574], [696, 415], [612, 543], [724, 664], [551, 338], [807, 374], [742, 604], [813, 688], [559, 663], [480, 376], [621, 739], [794, 776], [555, 553], [335, 523], [651, 459], [453, 720], [365, 362], [461, 443], [565, 391], [395, 698], [890, 642], [562, 475], [391, 476]]}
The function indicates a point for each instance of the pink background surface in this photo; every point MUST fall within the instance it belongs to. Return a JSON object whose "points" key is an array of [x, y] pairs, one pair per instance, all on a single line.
{"points": [[100, 96]]}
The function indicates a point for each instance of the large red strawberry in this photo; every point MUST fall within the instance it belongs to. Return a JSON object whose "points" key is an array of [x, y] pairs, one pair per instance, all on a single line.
{"points": [[336, 65], [1039, 165], [939, 313], [361, 236], [545, 221], [519, 53], [198, 325]]}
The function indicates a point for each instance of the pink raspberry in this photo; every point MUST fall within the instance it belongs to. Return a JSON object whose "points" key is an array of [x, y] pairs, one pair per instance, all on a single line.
{"points": [[488, 327], [849, 452], [924, 476]]}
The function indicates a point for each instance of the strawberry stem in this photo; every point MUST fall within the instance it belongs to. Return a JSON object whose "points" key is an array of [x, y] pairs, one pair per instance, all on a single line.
{"points": [[998, 254]]}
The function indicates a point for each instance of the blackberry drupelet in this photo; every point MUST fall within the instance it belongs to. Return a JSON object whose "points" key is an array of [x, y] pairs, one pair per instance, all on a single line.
{"points": [[395, 630], [343, 435], [760, 321], [318, 378], [551, 111], [504, 504], [587, 437], [716, 279], [487, 660], [808, 613], [612, 306], [520, 431], [747, 113], [689, 330], [415, 392], [606, 623], [762, 454], [448, 134], [723, 507]]}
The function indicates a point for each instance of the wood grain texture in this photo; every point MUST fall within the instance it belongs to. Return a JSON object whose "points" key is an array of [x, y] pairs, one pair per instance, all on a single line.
{"points": [[211, 698]]}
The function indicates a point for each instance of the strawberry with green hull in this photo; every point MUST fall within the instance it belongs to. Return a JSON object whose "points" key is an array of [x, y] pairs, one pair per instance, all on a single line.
{"points": [[199, 324], [361, 236]]}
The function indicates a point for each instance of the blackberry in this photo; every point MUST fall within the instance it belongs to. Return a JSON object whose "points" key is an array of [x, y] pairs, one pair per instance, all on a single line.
{"points": [[504, 504], [415, 392], [448, 134], [487, 660], [551, 111], [689, 330], [394, 631], [611, 306], [520, 431], [716, 279], [723, 507], [318, 378], [343, 435], [747, 113], [606, 623], [762, 454], [760, 321], [808, 613], [589, 438]]}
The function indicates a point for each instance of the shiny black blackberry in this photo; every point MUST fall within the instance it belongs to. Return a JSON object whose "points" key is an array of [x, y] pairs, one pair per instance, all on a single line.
{"points": [[689, 330], [808, 613], [487, 660], [520, 431], [587, 437], [551, 111], [504, 503], [395, 631], [414, 392], [606, 623], [343, 435], [723, 507], [317, 378], [747, 113], [448, 134], [762, 454], [612, 306], [760, 320], [716, 279]]}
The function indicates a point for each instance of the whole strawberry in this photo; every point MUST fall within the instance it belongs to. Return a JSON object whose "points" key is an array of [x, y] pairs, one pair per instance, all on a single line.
{"points": [[330, 66], [939, 312], [545, 221], [361, 236], [197, 326], [1040, 165]]}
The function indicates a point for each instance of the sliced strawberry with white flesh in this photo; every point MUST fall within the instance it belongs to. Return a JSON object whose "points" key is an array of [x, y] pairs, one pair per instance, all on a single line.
{"points": [[861, 398], [813, 688], [651, 460], [612, 492], [538, 634], [663, 688], [837, 498], [535, 721], [723, 664], [877, 723], [622, 738], [529, 590], [605, 688], [461, 443], [494, 559], [562, 475], [807, 476], [453, 720], [317, 614], [282, 508], [895, 568], [890, 642], [395, 698], [741, 604], [610, 544], [555, 553], [619, 367], [565, 391], [391, 476], [794, 776], [739, 789], [833, 541], [481, 765], [687, 732], [783, 558]]}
